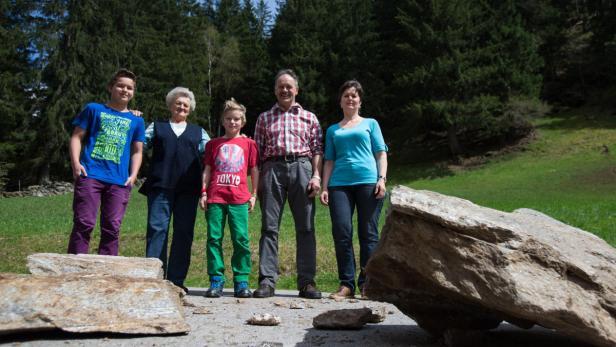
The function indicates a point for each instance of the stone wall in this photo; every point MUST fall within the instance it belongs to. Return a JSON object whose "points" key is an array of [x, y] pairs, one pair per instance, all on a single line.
{"points": [[53, 188]]}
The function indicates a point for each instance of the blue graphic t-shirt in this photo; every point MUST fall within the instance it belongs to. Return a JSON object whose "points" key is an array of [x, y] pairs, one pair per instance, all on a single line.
{"points": [[109, 135]]}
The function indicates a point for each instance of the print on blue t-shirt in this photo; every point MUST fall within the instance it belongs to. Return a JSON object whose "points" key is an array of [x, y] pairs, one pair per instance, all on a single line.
{"points": [[109, 135]]}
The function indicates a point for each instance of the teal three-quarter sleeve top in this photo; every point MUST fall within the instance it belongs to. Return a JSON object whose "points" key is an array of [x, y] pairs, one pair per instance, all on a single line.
{"points": [[353, 150]]}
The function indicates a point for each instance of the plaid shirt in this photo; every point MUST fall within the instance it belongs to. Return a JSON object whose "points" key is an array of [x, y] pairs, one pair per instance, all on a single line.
{"points": [[295, 132]]}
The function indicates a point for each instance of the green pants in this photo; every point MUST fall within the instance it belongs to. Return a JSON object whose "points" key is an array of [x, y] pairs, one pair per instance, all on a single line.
{"points": [[216, 216]]}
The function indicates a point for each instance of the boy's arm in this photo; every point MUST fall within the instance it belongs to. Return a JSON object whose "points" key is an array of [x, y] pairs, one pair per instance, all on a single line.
{"points": [[254, 178], [207, 172], [75, 152], [136, 156]]}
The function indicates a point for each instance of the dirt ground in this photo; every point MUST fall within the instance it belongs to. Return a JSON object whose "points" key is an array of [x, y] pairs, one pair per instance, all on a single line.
{"points": [[222, 322]]}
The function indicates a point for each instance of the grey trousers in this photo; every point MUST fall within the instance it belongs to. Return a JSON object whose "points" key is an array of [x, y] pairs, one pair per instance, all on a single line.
{"points": [[277, 181]]}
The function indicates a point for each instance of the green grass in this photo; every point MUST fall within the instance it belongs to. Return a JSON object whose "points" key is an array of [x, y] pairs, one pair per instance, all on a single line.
{"points": [[562, 173]]}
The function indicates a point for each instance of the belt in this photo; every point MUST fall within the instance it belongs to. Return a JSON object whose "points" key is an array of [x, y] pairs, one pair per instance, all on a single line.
{"points": [[286, 158]]}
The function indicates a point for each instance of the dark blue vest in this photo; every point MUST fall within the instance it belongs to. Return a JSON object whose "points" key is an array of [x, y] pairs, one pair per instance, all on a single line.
{"points": [[176, 162]]}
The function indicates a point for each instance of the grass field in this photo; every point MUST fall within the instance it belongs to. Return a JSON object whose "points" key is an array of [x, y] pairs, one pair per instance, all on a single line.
{"points": [[563, 173]]}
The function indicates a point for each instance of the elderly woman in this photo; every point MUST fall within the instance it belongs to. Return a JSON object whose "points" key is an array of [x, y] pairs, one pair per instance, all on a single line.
{"points": [[173, 184], [354, 176]]}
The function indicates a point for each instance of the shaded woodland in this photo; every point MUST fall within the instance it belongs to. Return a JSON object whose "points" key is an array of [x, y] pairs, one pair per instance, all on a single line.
{"points": [[445, 78]]}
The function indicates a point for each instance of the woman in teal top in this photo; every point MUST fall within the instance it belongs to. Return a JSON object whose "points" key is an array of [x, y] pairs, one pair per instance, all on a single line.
{"points": [[354, 176]]}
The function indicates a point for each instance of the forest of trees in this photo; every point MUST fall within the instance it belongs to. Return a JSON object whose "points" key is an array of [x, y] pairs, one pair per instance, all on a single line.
{"points": [[446, 76]]}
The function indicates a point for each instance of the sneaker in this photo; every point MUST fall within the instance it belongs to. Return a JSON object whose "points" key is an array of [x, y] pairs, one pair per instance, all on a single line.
{"points": [[241, 290], [217, 283], [343, 292], [309, 291], [264, 291]]}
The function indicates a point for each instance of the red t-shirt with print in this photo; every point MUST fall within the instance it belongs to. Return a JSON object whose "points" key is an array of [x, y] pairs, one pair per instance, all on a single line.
{"points": [[229, 160]]}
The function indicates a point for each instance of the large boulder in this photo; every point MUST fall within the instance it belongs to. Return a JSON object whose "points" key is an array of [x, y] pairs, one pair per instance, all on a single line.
{"points": [[91, 293], [452, 265], [95, 303], [53, 264]]}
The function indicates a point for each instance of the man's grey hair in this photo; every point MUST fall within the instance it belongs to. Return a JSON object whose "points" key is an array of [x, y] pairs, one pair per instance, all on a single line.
{"points": [[178, 92], [287, 72]]}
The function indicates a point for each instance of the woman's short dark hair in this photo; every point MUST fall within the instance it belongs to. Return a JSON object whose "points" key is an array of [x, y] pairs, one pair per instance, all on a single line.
{"points": [[351, 84]]}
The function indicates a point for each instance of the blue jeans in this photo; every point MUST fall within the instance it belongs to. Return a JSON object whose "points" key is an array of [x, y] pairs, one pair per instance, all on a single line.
{"points": [[342, 203], [162, 203]]}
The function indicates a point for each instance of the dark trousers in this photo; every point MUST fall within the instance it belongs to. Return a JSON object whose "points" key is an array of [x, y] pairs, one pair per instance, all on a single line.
{"points": [[342, 203], [162, 203], [278, 181], [90, 194]]}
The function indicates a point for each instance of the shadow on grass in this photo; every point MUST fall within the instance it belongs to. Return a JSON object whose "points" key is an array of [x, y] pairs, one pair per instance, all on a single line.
{"points": [[403, 173], [589, 117]]}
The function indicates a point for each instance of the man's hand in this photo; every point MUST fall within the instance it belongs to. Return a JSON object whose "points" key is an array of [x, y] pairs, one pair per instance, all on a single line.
{"points": [[314, 185]]}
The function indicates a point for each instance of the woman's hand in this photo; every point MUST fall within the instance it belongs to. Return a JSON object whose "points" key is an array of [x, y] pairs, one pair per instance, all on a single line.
{"points": [[203, 202], [325, 198], [380, 190], [136, 113], [252, 201]]}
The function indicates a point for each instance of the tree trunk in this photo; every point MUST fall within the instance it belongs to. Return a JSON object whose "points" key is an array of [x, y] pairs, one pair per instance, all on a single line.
{"points": [[452, 140], [43, 177]]}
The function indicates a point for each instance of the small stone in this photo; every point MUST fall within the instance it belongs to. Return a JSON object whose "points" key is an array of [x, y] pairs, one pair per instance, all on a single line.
{"points": [[377, 315], [265, 319], [201, 310], [297, 305], [187, 303], [343, 319]]}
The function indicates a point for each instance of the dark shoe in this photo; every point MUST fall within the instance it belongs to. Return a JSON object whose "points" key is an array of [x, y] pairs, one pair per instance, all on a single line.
{"points": [[217, 284], [240, 290], [264, 291], [309, 291], [343, 292], [362, 291], [183, 288]]}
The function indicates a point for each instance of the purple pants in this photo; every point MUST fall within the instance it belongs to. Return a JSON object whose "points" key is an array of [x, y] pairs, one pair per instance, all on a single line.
{"points": [[88, 196]]}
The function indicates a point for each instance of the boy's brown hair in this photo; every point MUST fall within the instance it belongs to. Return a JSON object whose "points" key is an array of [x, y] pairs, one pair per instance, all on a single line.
{"points": [[122, 73], [232, 105]]}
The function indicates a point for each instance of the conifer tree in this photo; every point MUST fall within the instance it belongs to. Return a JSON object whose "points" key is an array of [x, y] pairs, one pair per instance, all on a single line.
{"points": [[464, 60], [327, 42], [16, 90]]}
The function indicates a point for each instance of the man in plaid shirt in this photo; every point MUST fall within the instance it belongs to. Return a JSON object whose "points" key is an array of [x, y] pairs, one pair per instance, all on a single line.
{"points": [[290, 143]]}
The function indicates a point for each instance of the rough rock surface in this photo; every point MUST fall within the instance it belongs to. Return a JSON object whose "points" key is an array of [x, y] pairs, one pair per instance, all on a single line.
{"points": [[78, 303], [453, 265], [60, 264]]}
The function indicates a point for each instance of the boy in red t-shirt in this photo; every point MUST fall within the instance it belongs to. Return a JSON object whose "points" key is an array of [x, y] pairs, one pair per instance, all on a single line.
{"points": [[225, 194]]}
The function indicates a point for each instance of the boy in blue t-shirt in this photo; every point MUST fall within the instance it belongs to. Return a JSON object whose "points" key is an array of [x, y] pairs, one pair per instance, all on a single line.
{"points": [[106, 170]]}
